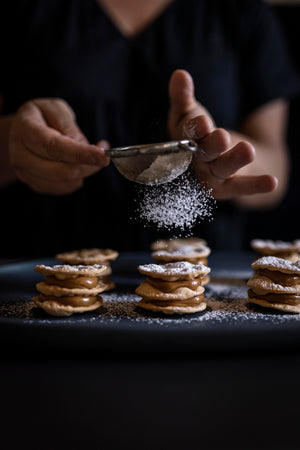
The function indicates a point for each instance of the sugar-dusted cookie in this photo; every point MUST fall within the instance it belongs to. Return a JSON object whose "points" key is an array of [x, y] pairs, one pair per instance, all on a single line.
{"points": [[62, 272], [175, 243], [69, 289], [88, 256], [182, 270], [185, 253], [173, 287], [275, 284], [280, 249]]}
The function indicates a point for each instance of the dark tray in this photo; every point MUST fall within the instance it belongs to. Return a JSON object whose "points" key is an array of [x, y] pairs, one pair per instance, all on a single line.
{"points": [[228, 323]]}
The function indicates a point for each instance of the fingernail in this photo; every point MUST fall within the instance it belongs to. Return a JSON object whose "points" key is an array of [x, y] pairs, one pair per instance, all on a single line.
{"points": [[104, 145]]}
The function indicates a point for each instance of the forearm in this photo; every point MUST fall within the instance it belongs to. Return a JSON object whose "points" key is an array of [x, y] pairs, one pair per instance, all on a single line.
{"points": [[272, 158], [7, 174]]}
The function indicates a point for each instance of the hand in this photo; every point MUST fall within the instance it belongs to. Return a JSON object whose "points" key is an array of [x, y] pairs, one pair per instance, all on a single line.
{"points": [[48, 151], [217, 161]]}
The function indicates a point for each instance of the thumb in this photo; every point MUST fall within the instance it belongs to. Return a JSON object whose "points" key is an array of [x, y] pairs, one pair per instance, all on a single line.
{"points": [[181, 93]]}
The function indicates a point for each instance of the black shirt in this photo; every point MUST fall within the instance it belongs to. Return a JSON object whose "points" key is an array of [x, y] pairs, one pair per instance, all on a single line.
{"points": [[118, 88]]}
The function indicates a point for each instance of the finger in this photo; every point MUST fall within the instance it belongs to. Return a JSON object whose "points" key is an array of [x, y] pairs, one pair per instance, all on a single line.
{"points": [[59, 115], [212, 145], [50, 144], [103, 144], [181, 92], [231, 161], [53, 177], [198, 128], [245, 185]]}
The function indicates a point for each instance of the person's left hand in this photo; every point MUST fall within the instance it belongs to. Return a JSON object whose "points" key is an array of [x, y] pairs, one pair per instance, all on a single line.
{"points": [[217, 161]]}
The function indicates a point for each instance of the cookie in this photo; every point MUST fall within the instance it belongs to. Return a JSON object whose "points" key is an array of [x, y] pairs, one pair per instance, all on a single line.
{"points": [[147, 290], [175, 243], [173, 288], [182, 270], [88, 256], [190, 306], [280, 249], [186, 253], [67, 271], [275, 284], [54, 307], [69, 289]]}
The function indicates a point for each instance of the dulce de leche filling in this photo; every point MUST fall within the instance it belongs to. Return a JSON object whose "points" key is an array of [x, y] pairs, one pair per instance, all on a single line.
{"points": [[284, 279], [70, 301], [178, 303], [75, 282], [171, 286], [289, 299]]}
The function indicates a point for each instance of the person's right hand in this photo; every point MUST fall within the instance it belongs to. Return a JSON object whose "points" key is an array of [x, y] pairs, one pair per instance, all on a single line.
{"points": [[47, 149]]}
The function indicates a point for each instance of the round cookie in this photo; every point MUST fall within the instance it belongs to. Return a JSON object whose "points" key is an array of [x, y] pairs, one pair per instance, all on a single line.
{"points": [[176, 271], [88, 256], [279, 306], [147, 291], [263, 285], [192, 306], [268, 247], [64, 271], [277, 264], [186, 253], [60, 291], [55, 308], [175, 243]]}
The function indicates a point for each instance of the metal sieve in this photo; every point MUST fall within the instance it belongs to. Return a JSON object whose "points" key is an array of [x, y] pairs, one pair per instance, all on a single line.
{"points": [[153, 163]]}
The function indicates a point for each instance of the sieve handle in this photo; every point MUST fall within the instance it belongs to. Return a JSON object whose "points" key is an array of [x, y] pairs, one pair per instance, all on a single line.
{"points": [[157, 148]]}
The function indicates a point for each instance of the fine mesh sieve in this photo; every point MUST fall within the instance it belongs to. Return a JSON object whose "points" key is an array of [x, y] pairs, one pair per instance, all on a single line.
{"points": [[153, 163]]}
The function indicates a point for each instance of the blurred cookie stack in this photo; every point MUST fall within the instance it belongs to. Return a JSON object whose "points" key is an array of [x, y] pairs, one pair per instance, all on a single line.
{"points": [[69, 289], [279, 249], [275, 284], [173, 288], [90, 257]]}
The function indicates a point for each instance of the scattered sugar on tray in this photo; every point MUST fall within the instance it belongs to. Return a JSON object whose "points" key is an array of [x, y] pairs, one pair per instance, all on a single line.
{"points": [[179, 204], [226, 303]]}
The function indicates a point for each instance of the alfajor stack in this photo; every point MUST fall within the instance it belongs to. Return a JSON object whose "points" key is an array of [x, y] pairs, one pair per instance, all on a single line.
{"points": [[69, 289], [173, 288], [275, 284], [90, 257], [280, 249]]}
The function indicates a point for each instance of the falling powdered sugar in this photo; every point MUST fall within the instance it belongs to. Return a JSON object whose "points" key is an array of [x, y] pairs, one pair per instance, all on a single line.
{"points": [[180, 204]]}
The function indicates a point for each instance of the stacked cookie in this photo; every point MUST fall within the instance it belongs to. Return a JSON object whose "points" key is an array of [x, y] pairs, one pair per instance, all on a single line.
{"points": [[175, 243], [90, 257], [173, 288], [69, 289], [280, 249], [275, 284]]}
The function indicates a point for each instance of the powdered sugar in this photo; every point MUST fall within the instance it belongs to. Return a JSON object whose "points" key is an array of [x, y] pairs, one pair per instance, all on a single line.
{"points": [[275, 263], [180, 267], [180, 204]]}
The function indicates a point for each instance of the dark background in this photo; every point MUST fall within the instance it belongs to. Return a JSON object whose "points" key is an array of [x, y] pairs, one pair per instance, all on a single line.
{"points": [[283, 221]]}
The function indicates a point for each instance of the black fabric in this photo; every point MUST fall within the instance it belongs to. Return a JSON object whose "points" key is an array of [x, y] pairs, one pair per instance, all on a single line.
{"points": [[118, 88]]}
